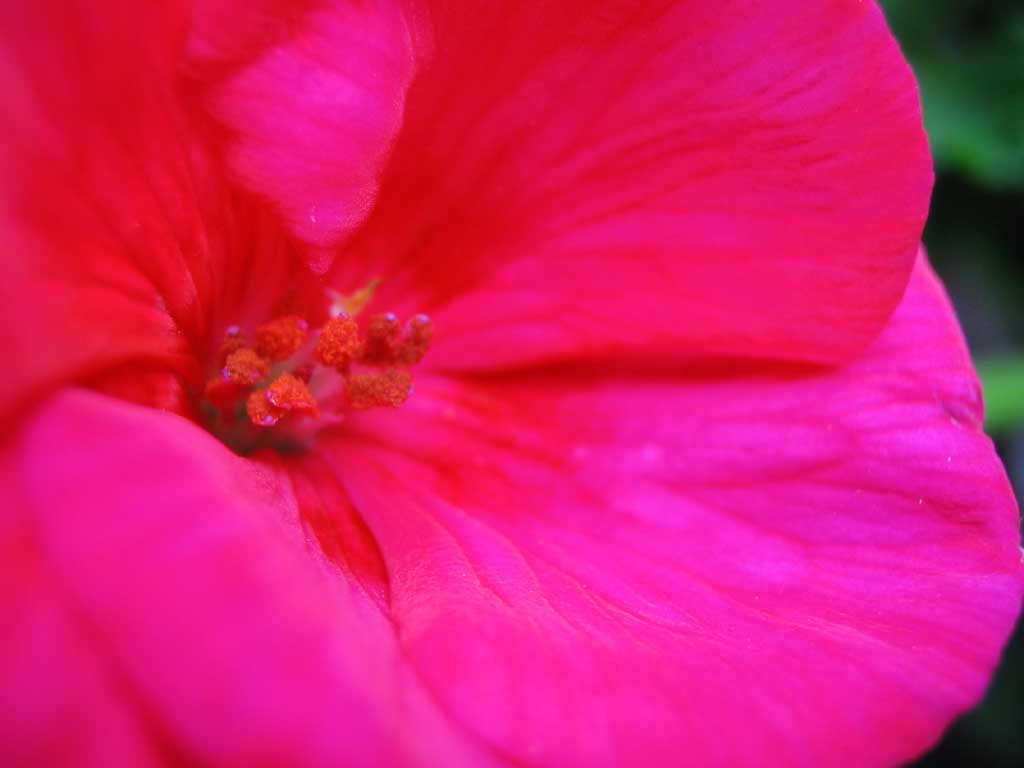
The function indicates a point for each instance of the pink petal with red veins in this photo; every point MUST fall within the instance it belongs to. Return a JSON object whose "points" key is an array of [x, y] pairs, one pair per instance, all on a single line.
{"points": [[657, 179], [817, 565], [165, 592], [312, 114]]}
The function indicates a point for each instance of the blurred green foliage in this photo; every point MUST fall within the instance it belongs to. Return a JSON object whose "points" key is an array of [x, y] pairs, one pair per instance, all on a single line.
{"points": [[968, 56], [1003, 379], [969, 59]]}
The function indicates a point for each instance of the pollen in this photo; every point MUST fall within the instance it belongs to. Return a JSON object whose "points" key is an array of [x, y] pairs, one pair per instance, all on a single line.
{"points": [[281, 338], [261, 411], [290, 393], [388, 388], [291, 380], [338, 342], [244, 366]]}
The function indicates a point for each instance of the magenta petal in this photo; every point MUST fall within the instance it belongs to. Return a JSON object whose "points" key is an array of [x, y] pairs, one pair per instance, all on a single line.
{"points": [[608, 179], [312, 97], [60, 704], [162, 599], [820, 566]]}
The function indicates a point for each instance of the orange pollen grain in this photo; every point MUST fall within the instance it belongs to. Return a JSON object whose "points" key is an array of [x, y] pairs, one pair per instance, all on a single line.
{"points": [[388, 388], [244, 366], [290, 393], [338, 342], [261, 411], [281, 338]]}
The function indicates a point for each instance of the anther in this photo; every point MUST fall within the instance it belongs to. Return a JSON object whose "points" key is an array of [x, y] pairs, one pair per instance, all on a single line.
{"points": [[387, 388], [415, 341], [381, 340], [351, 365], [281, 338], [338, 342], [261, 411], [290, 393], [244, 366], [234, 340]]}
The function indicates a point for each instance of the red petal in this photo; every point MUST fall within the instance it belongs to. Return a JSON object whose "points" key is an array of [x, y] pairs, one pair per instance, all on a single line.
{"points": [[160, 598], [820, 566], [119, 233], [311, 95], [664, 179], [124, 245], [101, 230]]}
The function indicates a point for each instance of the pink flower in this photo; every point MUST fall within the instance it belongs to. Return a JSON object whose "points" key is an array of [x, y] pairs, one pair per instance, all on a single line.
{"points": [[693, 472]]}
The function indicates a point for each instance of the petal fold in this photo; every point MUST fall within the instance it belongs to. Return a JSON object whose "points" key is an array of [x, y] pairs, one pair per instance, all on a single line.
{"points": [[311, 96], [171, 587]]}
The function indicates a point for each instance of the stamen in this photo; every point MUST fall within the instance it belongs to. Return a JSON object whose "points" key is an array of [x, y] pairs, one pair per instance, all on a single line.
{"points": [[351, 366], [261, 411], [281, 338], [244, 366], [381, 340], [290, 393], [234, 340], [353, 303], [338, 342], [416, 340], [389, 388]]}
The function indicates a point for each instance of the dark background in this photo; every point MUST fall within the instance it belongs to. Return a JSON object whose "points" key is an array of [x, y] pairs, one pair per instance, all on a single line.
{"points": [[969, 59]]}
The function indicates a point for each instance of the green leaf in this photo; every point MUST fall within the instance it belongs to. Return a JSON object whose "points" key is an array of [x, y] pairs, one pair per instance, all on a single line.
{"points": [[968, 56], [1003, 382]]}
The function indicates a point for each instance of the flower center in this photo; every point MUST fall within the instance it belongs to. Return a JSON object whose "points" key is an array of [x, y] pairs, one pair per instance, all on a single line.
{"points": [[283, 382]]}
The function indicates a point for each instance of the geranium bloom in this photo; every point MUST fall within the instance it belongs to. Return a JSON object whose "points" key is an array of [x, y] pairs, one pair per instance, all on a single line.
{"points": [[668, 452]]}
